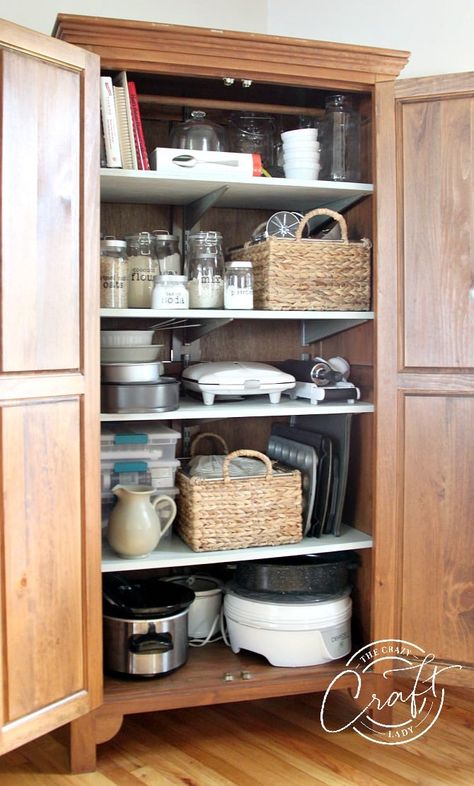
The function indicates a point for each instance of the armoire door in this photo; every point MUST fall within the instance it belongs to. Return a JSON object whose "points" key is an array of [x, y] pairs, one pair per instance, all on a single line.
{"points": [[50, 648], [425, 490]]}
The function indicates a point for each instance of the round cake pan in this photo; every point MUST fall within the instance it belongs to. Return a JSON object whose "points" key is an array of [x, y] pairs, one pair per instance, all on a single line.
{"points": [[162, 396], [125, 373]]}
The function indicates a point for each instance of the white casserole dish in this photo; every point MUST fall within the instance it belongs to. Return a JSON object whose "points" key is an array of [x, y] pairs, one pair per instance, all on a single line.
{"points": [[236, 378], [125, 338]]}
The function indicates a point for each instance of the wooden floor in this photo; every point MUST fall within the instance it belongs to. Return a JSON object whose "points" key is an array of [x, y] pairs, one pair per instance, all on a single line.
{"points": [[274, 742]]}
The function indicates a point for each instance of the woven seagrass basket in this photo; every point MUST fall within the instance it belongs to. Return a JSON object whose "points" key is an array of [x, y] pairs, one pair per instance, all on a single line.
{"points": [[303, 274], [236, 513]]}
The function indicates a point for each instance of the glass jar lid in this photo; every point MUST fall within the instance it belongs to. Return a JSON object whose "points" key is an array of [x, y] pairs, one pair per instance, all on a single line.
{"points": [[206, 236], [163, 234], [113, 244], [171, 278], [238, 263]]}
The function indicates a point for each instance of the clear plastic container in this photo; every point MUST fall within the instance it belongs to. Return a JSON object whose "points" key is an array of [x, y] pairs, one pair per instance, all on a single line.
{"points": [[143, 268], [113, 274], [340, 141], [238, 285], [206, 270]]}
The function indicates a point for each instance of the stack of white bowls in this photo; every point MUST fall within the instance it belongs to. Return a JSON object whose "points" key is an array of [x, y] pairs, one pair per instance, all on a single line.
{"points": [[301, 153]]}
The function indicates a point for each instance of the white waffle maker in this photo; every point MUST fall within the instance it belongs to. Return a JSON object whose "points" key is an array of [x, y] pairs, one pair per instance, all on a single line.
{"points": [[236, 378]]}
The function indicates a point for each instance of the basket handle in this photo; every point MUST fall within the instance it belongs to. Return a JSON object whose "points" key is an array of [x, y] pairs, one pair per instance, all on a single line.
{"points": [[323, 211], [210, 435], [251, 454]]}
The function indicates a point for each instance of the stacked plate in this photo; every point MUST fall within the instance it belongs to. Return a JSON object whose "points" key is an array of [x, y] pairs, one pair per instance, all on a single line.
{"points": [[301, 153]]}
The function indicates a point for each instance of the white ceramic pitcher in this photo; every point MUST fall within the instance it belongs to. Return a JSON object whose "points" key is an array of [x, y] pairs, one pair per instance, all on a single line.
{"points": [[135, 527]]}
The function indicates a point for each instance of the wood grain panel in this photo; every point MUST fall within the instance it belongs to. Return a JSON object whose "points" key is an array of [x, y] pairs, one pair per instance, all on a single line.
{"points": [[438, 232], [40, 220], [438, 536], [42, 519], [50, 648]]}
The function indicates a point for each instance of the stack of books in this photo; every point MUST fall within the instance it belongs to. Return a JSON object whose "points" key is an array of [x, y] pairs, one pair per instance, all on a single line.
{"points": [[124, 140]]}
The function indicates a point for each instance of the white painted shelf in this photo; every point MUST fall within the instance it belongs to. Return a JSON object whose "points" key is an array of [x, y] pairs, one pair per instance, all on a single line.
{"points": [[195, 314], [251, 407], [118, 185], [174, 553]]}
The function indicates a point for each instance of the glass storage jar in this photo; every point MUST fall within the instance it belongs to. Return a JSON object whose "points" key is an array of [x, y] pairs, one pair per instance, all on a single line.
{"points": [[113, 274], [251, 132], [340, 140], [206, 270], [170, 291], [167, 252], [142, 269], [238, 284]]}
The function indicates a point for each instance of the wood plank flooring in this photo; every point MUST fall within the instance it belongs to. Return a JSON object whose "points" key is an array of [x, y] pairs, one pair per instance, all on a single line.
{"points": [[271, 742]]}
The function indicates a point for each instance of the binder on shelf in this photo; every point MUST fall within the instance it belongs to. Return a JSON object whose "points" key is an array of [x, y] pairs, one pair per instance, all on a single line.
{"points": [[109, 123], [140, 146], [124, 122]]}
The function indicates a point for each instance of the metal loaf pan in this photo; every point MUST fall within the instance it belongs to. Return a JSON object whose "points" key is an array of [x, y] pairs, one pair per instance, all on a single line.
{"points": [[162, 396]]}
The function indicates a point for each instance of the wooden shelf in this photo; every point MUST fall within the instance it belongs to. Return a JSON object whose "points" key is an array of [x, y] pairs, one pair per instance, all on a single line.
{"points": [[201, 681], [174, 553], [119, 185], [251, 407]]}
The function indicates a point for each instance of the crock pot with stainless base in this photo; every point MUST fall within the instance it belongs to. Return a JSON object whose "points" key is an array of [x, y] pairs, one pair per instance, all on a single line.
{"points": [[145, 625], [289, 631]]}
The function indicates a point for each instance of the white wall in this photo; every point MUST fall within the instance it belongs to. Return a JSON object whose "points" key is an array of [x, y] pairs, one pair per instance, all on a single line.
{"points": [[439, 33], [247, 15]]}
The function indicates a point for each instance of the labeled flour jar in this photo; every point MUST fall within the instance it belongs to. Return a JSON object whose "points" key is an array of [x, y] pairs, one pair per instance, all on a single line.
{"points": [[113, 274], [238, 285], [170, 292], [142, 269], [206, 270]]}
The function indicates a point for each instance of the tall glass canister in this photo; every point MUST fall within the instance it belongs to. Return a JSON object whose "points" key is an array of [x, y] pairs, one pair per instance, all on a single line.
{"points": [[340, 140], [206, 270]]}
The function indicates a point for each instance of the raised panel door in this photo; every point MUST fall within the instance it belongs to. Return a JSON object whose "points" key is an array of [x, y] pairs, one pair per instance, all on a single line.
{"points": [[50, 622], [424, 572]]}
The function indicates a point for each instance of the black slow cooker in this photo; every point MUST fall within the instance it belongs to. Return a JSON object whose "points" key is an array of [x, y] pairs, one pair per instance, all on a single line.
{"points": [[145, 625]]}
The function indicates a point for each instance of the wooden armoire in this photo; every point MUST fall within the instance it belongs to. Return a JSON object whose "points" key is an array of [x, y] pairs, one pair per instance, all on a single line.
{"points": [[410, 484]]}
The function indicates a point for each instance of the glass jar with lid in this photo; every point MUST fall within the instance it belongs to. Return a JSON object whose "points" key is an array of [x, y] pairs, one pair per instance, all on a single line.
{"points": [[238, 284], [167, 252], [113, 273], [340, 140], [142, 269], [205, 270]]}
